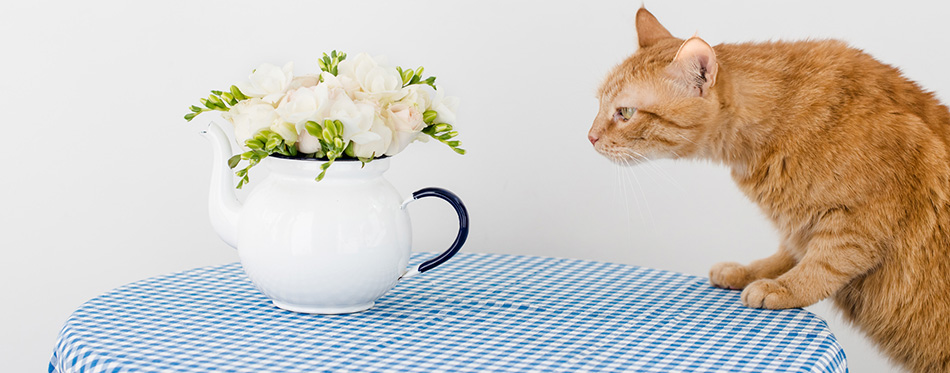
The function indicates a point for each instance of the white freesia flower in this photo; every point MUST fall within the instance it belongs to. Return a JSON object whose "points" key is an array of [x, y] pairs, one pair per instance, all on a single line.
{"points": [[304, 81], [345, 83], [268, 82], [415, 95], [357, 118], [406, 122], [287, 131], [444, 106], [374, 148], [371, 76], [249, 117], [307, 143], [305, 104]]}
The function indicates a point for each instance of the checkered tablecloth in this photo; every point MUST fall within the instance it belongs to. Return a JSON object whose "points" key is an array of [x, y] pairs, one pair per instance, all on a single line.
{"points": [[476, 313]]}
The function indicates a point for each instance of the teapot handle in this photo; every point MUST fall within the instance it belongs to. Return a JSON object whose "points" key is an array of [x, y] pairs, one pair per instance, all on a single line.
{"points": [[453, 200]]}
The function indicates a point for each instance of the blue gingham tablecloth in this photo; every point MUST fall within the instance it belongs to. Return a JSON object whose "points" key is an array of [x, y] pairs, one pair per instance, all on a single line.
{"points": [[475, 313]]}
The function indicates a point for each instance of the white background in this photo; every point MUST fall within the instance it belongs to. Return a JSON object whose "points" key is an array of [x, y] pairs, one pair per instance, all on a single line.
{"points": [[102, 183]]}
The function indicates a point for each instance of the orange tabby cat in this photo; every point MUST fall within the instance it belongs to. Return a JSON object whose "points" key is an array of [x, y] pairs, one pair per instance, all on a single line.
{"points": [[849, 159]]}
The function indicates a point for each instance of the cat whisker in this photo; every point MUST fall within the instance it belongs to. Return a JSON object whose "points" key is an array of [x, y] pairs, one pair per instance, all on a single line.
{"points": [[660, 171], [626, 200], [646, 202], [687, 139], [628, 182]]}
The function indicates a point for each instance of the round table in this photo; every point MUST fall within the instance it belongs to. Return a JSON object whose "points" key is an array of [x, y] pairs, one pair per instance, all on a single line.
{"points": [[476, 313]]}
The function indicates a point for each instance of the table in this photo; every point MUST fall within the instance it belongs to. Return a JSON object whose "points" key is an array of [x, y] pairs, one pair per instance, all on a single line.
{"points": [[476, 313]]}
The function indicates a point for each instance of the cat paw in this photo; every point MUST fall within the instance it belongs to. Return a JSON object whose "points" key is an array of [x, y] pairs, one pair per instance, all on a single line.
{"points": [[733, 276], [769, 294]]}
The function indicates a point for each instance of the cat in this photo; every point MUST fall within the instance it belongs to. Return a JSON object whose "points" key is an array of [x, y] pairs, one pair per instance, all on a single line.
{"points": [[849, 160]]}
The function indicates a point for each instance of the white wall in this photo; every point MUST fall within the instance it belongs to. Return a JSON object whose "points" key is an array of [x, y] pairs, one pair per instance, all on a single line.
{"points": [[102, 183]]}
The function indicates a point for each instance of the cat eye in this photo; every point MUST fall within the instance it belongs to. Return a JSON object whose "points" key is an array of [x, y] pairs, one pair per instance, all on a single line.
{"points": [[624, 113]]}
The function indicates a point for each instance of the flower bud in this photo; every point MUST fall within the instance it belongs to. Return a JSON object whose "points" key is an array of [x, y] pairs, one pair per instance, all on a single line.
{"points": [[429, 115], [237, 93], [313, 128]]}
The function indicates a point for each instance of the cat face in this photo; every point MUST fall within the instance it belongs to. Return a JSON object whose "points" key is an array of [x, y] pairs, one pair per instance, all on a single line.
{"points": [[660, 102]]}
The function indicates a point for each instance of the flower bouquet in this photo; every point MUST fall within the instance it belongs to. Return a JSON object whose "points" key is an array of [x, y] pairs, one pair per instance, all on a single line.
{"points": [[356, 108]]}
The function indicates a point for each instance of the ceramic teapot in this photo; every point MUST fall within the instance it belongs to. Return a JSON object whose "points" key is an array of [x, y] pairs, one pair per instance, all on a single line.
{"points": [[328, 247]]}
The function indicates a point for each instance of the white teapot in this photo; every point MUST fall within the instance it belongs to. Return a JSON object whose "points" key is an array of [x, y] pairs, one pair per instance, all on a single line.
{"points": [[328, 247]]}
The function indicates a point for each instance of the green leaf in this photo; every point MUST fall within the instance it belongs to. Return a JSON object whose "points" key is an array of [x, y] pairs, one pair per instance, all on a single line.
{"points": [[216, 93], [190, 116], [453, 144], [233, 161], [196, 109], [460, 151]]}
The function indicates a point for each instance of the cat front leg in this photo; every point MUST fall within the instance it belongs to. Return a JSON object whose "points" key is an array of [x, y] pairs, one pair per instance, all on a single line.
{"points": [[735, 276], [835, 255]]}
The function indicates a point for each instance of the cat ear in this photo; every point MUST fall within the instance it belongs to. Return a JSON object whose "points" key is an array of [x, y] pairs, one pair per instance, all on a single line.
{"points": [[695, 65], [649, 30]]}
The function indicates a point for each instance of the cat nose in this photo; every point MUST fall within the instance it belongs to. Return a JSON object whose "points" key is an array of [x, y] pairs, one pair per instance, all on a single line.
{"points": [[593, 139]]}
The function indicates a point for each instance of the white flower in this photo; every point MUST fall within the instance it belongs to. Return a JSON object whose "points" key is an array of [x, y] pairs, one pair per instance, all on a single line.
{"points": [[406, 122], [287, 131], [249, 117], [357, 117], [377, 147], [415, 95], [307, 143], [268, 82], [304, 81], [345, 83], [445, 107], [304, 104], [370, 75]]}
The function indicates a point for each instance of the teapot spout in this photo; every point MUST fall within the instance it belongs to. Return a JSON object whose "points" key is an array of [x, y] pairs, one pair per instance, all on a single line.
{"points": [[223, 204]]}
